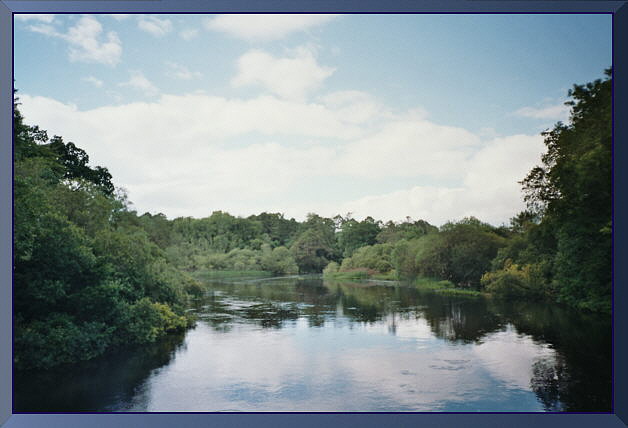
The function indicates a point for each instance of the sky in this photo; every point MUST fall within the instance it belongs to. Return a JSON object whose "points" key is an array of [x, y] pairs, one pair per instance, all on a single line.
{"points": [[433, 117]]}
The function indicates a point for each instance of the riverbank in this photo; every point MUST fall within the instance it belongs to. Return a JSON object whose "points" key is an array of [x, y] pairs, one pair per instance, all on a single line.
{"points": [[425, 284]]}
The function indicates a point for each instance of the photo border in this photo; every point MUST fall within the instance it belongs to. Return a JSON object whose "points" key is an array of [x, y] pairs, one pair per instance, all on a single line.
{"points": [[484, 419]]}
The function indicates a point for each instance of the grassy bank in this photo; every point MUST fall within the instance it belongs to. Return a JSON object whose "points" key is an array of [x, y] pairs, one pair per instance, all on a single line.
{"points": [[230, 274], [443, 287], [426, 284]]}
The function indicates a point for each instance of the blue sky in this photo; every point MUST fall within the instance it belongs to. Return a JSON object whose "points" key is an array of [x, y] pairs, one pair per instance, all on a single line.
{"points": [[428, 116]]}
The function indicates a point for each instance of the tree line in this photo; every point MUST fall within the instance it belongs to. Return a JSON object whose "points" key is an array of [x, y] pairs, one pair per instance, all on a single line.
{"points": [[559, 248], [91, 274]]}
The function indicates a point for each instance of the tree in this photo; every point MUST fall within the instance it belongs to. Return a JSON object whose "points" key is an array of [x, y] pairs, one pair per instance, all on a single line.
{"points": [[315, 246], [355, 234], [571, 191], [278, 261], [461, 252], [312, 251], [392, 232], [82, 262]]}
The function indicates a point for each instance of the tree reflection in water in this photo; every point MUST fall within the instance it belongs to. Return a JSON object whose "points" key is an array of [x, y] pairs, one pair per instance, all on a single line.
{"points": [[104, 384], [562, 382], [573, 373]]}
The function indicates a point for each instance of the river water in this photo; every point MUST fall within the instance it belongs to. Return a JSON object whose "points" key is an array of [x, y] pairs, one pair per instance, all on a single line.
{"points": [[305, 344]]}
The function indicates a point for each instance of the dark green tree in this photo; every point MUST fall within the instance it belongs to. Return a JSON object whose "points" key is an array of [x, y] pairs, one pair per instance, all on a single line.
{"points": [[571, 190], [355, 234], [315, 246]]}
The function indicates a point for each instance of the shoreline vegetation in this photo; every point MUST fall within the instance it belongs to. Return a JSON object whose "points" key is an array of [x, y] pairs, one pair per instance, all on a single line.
{"points": [[422, 284], [91, 274]]}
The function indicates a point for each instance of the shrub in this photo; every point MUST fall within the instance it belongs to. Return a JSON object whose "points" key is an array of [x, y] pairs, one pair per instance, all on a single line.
{"points": [[332, 267], [515, 281]]}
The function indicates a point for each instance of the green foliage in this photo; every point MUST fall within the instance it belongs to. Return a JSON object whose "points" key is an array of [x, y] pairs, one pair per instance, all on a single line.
{"points": [[571, 191], [358, 273], [355, 234], [158, 228], [443, 287], [315, 246], [278, 261], [220, 232], [58, 340], [148, 320], [88, 277], [376, 257], [332, 267], [403, 257], [209, 275], [393, 232], [516, 281], [279, 230], [462, 252]]}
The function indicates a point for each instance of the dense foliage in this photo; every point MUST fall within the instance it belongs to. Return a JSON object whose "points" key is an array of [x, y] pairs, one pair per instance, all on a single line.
{"points": [[87, 275], [570, 196]]}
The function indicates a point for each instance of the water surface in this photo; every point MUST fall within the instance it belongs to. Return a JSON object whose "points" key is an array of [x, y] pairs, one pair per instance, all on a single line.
{"points": [[304, 344]]}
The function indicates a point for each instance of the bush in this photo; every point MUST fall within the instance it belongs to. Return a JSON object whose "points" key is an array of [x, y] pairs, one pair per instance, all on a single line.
{"points": [[332, 267], [148, 321], [58, 340], [374, 257], [515, 281], [461, 252], [278, 261], [404, 256]]}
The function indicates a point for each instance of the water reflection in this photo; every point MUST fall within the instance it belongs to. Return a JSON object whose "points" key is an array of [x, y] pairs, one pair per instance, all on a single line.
{"points": [[311, 345], [106, 384]]}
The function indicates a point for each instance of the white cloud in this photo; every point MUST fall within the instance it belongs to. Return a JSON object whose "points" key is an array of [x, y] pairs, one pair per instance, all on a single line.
{"points": [[196, 153], [47, 18], [552, 112], [45, 29], [409, 148], [86, 41], [489, 189], [354, 106], [181, 72], [140, 82], [188, 33], [488, 132], [265, 27], [156, 26], [94, 81], [119, 16], [290, 78]]}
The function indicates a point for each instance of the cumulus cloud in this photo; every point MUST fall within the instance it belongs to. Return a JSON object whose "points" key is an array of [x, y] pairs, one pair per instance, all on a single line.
{"points": [[489, 189], [552, 112], [355, 106], [139, 82], [410, 148], [94, 81], [47, 18], [158, 27], [196, 153], [291, 77], [179, 71], [119, 16], [264, 27], [188, 33], [87, 41]]}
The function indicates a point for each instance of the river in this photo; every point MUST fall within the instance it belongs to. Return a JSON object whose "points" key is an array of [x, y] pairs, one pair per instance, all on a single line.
{"points": [[305, 344]]}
